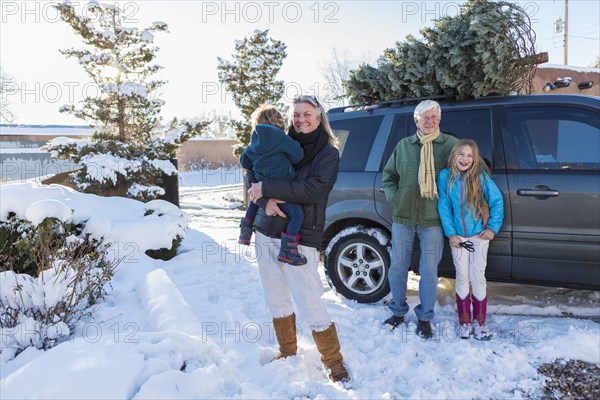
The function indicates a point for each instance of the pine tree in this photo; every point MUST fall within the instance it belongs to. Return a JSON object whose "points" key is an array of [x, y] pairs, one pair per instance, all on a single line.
{"points": [[488, 47], [130, 149], [251, 78], [7, 87]]}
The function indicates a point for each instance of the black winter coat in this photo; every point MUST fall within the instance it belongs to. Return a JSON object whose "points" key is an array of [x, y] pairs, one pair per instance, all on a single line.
{"points": [[310, 189]]}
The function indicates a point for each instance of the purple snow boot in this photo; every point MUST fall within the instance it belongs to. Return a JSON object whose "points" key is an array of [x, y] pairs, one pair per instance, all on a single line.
{"points": [[245, 231], [479, 310], [463, 306], [480, 330], [289, 250]]}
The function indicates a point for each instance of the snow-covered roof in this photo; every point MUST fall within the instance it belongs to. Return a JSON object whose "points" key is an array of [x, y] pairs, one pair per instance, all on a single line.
{"points": [[13, 129], [570, 67]]}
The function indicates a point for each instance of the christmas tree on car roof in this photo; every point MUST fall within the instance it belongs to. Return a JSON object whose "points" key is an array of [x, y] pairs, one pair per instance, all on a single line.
{"points": [[489, 47]]}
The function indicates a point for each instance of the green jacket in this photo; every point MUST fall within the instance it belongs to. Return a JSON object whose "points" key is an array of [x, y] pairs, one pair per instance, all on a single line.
{"points": [[400, 181]]}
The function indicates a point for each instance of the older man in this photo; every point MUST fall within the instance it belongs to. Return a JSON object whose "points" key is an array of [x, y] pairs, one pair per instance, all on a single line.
{"points": [[409, 182]]}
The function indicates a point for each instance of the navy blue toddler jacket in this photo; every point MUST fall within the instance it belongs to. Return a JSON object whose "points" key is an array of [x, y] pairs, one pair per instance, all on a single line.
{"points": [[271, 154]]}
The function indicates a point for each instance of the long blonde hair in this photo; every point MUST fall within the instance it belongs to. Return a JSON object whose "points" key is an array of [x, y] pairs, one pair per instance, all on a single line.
{"points": [[471, 178]]}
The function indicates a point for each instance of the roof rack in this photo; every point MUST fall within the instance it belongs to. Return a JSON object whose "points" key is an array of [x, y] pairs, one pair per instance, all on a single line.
{"points": [[390, 103], [338, 110]]}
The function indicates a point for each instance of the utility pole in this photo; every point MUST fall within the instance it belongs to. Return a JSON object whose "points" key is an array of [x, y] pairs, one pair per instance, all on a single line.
{"points": [[566, 46]]}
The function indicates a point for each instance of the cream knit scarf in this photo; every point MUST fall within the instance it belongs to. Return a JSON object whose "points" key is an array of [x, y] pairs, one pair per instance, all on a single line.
{"points": [[426, 166]]}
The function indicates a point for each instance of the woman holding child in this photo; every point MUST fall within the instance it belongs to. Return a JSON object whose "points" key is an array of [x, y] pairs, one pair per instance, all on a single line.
{"points": [[291, 287]]}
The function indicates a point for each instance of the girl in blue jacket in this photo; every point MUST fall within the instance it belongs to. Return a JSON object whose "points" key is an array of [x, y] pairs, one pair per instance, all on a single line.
{"points": [[461, 188]]}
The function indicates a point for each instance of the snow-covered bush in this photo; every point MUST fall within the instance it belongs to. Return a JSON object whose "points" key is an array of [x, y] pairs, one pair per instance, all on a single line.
{"points": [[14, 252], [165, 253], [124, 223], [69, 244], [42, 310], [130, 150], [20, 242]]}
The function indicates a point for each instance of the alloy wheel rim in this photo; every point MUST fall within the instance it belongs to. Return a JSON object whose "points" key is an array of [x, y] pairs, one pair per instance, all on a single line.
{"points": [[361, 268]]}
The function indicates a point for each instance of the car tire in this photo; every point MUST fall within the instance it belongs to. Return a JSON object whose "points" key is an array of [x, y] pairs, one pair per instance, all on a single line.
{"points": [[357, 266]]}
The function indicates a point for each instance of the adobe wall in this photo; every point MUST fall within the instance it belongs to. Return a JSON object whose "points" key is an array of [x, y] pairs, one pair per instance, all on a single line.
{"points": [[207, 153], [547, 74]]}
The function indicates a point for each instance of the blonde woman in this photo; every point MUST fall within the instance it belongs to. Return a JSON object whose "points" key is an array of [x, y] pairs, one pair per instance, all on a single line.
{"points": [[288, 288]]}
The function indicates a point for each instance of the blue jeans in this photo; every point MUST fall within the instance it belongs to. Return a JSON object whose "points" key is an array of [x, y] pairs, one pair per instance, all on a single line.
{"points": [[432, 244], [296, 216], [251, 210], [292, 210]]}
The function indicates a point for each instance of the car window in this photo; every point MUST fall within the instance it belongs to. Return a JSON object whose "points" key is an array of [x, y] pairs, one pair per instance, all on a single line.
{"points": [[399, 131], [356, 136], [471, 124], [555, 138]]}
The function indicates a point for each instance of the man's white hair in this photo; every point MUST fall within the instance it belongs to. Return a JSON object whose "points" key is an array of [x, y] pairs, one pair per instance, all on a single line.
{"points": [[425, 106]]}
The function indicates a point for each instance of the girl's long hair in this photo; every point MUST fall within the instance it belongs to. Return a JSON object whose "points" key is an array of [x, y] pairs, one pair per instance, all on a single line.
{"points": [[471, 177]]}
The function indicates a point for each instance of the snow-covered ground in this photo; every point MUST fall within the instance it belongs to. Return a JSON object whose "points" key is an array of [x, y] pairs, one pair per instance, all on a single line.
{"points": [[197, 327]]}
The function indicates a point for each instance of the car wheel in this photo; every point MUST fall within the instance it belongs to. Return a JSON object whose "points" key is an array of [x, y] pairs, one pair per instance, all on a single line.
{"points": [[357, 267]]}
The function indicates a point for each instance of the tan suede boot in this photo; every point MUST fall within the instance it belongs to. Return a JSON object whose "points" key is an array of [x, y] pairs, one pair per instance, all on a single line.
{"points": [[329, 347], [285, 330]]}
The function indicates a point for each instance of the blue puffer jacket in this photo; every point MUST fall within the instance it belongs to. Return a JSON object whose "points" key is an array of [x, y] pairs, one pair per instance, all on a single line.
{"points": [[271, 154], [456, 218]]}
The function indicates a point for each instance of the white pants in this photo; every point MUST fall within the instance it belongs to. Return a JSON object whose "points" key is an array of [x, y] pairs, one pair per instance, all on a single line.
{"points": [[283, 283], [470, 268]]}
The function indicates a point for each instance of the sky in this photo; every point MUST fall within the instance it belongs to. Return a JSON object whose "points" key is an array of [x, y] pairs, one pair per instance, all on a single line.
{"points": [[197, 327], [31, 35]]}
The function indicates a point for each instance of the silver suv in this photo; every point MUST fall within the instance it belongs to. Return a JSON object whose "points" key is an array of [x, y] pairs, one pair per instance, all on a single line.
{"points": [[544, 154]]}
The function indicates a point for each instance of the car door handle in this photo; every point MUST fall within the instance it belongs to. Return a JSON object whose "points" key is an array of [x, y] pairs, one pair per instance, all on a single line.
{"points": [[541, 191], [529, 192]]}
